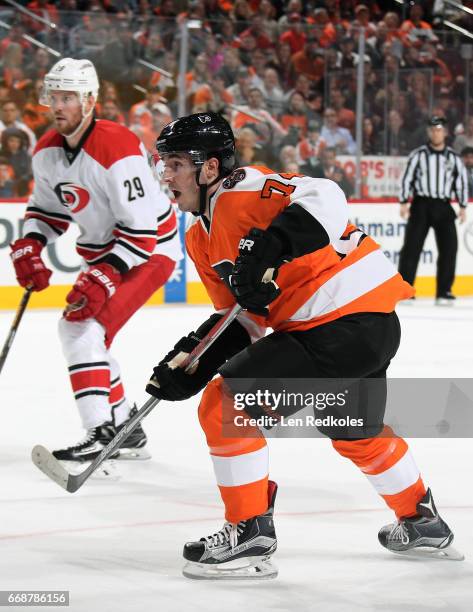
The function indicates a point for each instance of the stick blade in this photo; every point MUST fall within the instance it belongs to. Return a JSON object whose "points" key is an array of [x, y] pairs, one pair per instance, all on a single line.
{"points": [[50, 466]]}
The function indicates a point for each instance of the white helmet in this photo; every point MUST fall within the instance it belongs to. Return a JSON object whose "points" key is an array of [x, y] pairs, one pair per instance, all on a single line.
{"points": [[71, 75]]}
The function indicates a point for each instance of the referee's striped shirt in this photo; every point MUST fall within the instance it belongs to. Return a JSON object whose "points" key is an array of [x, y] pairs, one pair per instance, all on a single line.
{"points": [[435, 174]]}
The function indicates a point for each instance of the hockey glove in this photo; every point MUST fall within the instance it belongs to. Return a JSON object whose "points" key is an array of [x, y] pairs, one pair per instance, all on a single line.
{"points": [[256, 269], [91, 291], [30, 269], [171, 382]]}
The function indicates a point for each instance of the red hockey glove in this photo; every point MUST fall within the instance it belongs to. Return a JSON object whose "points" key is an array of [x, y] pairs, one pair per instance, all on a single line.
{"points": [[29, 267], [91, 291]]}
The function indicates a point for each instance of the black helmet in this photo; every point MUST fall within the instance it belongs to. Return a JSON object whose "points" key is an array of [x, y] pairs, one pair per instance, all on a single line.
{"points": [[202, 135]]}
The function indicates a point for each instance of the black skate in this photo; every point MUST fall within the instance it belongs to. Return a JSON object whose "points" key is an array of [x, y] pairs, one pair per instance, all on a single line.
{"points": [[445, 299], [236, 551], [425, 535], [134, 445], [90, 447]]}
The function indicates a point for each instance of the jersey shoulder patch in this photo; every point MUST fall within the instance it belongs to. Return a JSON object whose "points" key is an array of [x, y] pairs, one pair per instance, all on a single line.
{"points": [[110, 142], [52, 138], [235, 177]]}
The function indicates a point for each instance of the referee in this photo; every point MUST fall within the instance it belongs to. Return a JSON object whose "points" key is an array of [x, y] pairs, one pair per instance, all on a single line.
{"points": [[434, 171]]}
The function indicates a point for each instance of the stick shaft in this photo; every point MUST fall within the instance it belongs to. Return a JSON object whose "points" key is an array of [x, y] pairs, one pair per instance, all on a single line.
{"points": [[76, 481], [13, 329]]}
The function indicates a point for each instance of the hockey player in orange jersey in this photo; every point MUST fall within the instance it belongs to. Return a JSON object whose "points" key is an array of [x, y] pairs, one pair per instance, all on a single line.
{"points": [[332, 316]]}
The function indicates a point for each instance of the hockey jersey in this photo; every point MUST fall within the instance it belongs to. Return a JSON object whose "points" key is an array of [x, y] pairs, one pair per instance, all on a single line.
{"points": [[107, 187], [349, 275]]}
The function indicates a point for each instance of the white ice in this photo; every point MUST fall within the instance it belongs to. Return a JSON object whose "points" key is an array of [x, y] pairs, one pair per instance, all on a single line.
{"points": [[117, 546]]}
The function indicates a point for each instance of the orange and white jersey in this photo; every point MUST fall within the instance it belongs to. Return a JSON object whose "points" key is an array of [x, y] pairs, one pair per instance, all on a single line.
{"points": [[349, 275]]}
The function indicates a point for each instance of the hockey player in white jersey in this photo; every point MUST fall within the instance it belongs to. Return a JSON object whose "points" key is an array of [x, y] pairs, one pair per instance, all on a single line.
{"points": [[95, 173]]}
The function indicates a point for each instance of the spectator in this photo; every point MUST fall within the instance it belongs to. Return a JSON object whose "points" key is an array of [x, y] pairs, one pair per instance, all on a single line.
{"points": [[337, 137], [396, 139], [333, 171], [294, 36], [36, 116], [248, 152], [309, 149], [293, 6], [257, 64], [326, 33], [15, 35], [287, 155], [310, 61], [12, 64], [294, 118], [7, 186], [43, 9], [414, 31], [140, 113], [467, 158], [370, 142], [464, 140], [257, 30], [111, 112], [266, 128], [39, 65], [362, 20], [268, 13], [241, 15], [123, 51], [345, 116], [428, 59], [283, 63], [239, 90], [231, 66], [9, 117], [272, 92], [14, 147], [160, 116], [212, 96]]}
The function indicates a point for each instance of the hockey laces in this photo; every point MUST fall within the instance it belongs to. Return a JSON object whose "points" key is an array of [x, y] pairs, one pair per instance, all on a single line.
{"points": [[227, 535], [89, 436], [399, 532]]}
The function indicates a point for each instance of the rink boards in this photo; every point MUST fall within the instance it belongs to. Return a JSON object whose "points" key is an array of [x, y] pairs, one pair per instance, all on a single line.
{"points": [[378, 218]]}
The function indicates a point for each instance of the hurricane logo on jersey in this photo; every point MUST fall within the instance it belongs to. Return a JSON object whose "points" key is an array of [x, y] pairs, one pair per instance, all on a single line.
{"points": [[74, 197], [204, 118]]}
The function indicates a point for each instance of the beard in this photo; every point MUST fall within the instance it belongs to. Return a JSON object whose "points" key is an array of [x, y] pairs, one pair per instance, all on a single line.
{"points": [[65, 128]]}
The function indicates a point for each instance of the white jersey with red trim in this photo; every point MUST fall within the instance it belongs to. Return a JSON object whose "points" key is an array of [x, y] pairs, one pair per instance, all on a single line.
{"points": [[107, 187]]}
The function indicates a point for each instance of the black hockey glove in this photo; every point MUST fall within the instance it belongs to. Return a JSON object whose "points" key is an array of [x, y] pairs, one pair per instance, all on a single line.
{"points": [[256, 269], [171, 382]]}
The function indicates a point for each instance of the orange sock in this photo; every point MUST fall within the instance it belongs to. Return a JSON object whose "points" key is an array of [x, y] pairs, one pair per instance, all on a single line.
{"points": [[389, 466]]}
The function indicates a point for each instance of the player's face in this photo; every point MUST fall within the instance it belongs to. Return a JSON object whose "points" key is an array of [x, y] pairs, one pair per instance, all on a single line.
{"points": [[67, 111], [179, 174]]}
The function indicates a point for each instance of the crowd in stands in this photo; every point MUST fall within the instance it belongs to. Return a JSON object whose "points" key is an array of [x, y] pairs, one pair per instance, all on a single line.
{"points": [[284, 73]]}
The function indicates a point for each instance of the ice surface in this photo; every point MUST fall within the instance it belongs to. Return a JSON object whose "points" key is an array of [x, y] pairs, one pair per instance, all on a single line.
{"points": [[117, 546]]}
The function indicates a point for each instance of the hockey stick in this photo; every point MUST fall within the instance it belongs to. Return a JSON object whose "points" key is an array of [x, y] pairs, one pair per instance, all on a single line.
{"points": [[13, 329], [48, 464]]}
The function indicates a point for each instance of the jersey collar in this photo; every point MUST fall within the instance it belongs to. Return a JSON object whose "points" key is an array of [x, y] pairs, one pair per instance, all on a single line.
{"points": [[72, 152]]}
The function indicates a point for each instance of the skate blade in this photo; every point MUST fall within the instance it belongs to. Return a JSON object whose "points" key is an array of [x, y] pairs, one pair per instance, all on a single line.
{"points": [[107, 471], [133, 454], [257, 568], [449, 553]]}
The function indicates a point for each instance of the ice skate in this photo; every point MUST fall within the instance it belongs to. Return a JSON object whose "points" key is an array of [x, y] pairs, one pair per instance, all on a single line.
{"points": [[446, 299], [90, 447], [422, 536], [133, 447], [236, 552], [87, 449]]}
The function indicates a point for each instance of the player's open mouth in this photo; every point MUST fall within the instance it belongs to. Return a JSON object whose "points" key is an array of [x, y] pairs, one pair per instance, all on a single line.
{"points": [[176, 193]]}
